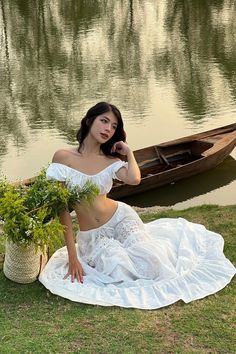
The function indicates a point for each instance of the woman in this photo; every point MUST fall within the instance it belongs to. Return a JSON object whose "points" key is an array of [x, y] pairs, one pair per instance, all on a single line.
{"points": [[118, 260]]}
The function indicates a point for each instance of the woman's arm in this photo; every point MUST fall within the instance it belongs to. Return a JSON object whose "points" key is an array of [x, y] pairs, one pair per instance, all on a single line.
{"points": [[75, 268], [130, 175]]}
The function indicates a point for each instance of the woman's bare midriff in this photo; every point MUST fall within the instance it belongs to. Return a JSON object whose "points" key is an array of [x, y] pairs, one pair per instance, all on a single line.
{"points": [[91, 216]]}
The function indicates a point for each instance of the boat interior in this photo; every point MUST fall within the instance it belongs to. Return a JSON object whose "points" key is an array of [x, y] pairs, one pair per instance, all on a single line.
{"points": [[159, 159]]}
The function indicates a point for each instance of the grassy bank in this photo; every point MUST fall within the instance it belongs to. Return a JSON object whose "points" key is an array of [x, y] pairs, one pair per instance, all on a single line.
{"points": [[32, 320]]}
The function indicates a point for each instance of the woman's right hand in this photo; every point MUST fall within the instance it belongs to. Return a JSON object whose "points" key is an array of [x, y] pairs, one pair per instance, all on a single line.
{"points": [[75, 271]]}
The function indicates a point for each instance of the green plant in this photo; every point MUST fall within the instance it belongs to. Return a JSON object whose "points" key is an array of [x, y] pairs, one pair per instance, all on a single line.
{"points": [[30, 214]]}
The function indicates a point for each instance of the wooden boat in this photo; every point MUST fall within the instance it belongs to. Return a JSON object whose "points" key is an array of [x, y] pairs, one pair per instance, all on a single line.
{"points": [[177, 159]]}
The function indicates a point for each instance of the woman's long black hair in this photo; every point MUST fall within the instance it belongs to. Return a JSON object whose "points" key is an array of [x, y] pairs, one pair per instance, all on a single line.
{"points": [[91, 115]]}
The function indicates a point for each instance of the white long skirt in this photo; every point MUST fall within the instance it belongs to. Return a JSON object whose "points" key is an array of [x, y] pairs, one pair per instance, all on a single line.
{"points": [[147, 266]]}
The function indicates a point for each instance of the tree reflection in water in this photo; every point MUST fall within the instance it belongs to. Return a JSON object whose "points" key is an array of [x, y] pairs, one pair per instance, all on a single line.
{"points": [[59, 57]]}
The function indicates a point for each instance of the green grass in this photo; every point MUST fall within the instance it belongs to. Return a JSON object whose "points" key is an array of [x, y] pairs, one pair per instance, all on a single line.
{"points": [[32, 320]]}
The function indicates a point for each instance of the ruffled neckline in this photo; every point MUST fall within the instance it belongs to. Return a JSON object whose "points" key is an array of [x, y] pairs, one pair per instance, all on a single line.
{"points": [[85, 174]]}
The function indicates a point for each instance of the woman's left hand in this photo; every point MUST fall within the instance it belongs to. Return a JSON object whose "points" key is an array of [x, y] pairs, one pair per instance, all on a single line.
{"points": [[120, 147]]}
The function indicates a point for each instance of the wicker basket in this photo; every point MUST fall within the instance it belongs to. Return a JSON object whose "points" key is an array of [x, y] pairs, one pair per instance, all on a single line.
{"points": [[23, 264]]}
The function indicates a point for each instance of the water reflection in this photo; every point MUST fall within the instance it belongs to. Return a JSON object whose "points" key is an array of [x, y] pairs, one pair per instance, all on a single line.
{"points": [[57, 58], [199, 61]]}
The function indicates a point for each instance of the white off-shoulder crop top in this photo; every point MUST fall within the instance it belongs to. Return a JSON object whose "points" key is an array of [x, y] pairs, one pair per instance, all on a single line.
{"points": [[73, 177]]}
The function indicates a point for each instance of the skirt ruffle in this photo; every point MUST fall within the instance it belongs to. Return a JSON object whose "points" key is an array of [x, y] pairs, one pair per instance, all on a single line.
{"points": [[147, 266]]}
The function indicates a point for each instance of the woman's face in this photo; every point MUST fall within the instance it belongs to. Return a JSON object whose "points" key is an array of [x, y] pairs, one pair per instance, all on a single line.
{"points": [[104, 127]]}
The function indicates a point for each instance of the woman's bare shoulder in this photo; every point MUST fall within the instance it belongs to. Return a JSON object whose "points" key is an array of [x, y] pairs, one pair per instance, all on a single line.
{"points": [[62, 155], [110, 160], [113, 158]]}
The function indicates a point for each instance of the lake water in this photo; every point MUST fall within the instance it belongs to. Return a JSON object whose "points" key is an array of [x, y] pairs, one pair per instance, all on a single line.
{"points": [[168, 65]]}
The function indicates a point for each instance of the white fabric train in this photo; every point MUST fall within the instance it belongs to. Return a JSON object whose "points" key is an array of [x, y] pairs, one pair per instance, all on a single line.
{"points": [[147, 266]]}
